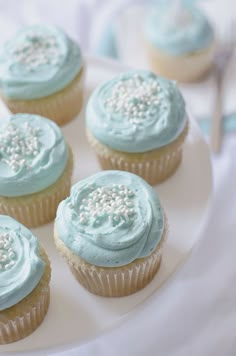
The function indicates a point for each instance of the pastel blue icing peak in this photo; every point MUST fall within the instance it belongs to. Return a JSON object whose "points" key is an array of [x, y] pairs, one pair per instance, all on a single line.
{"points": [[38, 61], [27, 268], [109, 235], [178, 28], [136, 111], [41, 161]]}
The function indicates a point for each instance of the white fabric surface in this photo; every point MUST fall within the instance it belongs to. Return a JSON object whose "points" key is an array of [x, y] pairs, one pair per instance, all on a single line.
{"points": [[194, 312]]}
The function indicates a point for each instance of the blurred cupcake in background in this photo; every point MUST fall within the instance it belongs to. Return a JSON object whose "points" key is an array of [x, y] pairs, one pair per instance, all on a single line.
{"points": [[180, 40], [41, 72]]}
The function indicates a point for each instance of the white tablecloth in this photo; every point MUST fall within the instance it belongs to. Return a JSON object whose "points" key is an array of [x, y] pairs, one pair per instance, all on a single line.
{"points": [[194, 313]]}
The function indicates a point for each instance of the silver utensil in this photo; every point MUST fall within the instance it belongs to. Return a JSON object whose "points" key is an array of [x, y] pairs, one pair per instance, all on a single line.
{"points": [[222, 60]]}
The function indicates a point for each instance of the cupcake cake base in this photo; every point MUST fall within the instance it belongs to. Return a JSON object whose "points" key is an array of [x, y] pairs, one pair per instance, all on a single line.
{"points": [[113, 281], [190, 67], [60, 107], [154, 166]]}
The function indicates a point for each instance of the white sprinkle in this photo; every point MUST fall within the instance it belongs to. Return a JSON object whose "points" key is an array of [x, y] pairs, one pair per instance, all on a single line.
{"points": [[111, 202], [7, 253], [133, 98], [83, 220], [19, 155], [36, 50]]}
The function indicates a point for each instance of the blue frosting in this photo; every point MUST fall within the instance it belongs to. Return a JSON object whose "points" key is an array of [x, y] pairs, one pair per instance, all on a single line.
{"points": [[38, 61], [33, 154], [178, 28], [136, 111], [106, 46], [111, 219], [229, 123], [21, 265]]}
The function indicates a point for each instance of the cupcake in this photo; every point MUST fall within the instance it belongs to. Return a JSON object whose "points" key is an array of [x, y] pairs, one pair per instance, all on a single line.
{"points": [[111, 232], [41, 72], [180, 41], [137, 122], [35, 168], [24, 281]]}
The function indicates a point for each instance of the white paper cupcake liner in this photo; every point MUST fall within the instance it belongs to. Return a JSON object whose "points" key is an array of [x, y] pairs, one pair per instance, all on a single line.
{"points": [[39, 208], [36, 213], [153, 171], [118, 283], [24, 324], [114, 281], [188, 67], [60, 107], [154, 166]]}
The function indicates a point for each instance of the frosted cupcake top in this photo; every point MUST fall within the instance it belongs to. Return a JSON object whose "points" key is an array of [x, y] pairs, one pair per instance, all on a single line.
{"points": [[111, 219], [178, 28], [33, 154], [38, 61], [136, 111], [21, 266]]}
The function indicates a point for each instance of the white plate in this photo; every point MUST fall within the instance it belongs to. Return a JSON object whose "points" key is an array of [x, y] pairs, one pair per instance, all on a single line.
{"points": [[74, 314]]}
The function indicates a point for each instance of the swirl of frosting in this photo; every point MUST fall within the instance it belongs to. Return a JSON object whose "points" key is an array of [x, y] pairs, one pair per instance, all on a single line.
{"points": [[136, 111], [178, 29], [21, 266], [33, 154], [38, 61], [111, 219]]}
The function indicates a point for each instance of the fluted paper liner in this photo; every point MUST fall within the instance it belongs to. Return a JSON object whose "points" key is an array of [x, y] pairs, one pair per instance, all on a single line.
{"points": [[113, 281], [187, 67], [23, 318], [60, 107], [39, 208], [154, 166]]}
